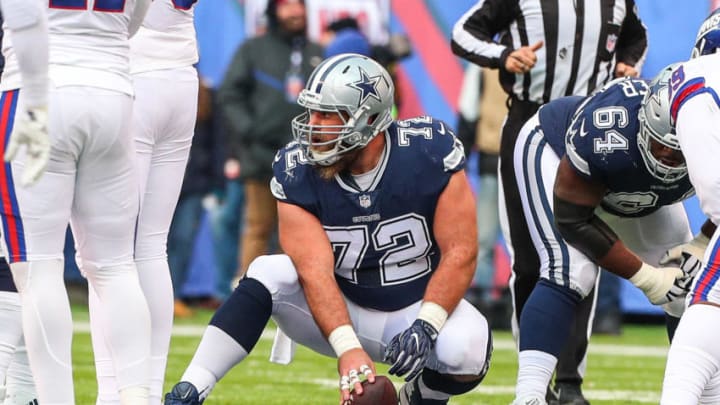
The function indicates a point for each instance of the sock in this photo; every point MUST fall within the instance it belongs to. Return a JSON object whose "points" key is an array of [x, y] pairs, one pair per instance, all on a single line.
{"points": [[244, 315], [124, 321], [135, 395], [694, 356], [157, 287], [108, 393], [436, 386], [547, 317], [232, 334], [535, 369], [47, 326], [429, 393], [217, 353], [154, 278], [11, 330], [20, 384]]}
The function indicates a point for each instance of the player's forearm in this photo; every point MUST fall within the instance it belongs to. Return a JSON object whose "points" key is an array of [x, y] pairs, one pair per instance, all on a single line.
{"points": [[621, 261], [452, 278], [28, 22], [325, 301]]}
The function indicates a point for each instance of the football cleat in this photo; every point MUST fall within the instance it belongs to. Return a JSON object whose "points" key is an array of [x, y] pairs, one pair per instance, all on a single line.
{"points": [[569, 394], [183, 393], [529, 401], [410, 394]]}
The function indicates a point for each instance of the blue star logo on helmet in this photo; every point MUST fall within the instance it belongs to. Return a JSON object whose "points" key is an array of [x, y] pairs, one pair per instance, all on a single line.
{"points": [[367, 86]]}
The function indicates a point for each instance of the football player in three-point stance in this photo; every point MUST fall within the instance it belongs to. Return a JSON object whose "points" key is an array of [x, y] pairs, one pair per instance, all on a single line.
{"points": [[694, 356], [602, 181], [162, 55], [378, 222], [90, 182]]}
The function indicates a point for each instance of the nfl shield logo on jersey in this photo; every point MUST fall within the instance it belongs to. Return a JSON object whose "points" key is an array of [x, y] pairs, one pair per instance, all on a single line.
{"points": [[365, 201], [610, 43]]}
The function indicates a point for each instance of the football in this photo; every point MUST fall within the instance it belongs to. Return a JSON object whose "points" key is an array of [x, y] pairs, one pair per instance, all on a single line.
{"points": [[381, 392]]}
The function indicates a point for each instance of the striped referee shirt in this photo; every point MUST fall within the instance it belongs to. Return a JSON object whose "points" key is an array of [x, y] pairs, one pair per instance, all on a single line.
{"points": [[583, 40]]}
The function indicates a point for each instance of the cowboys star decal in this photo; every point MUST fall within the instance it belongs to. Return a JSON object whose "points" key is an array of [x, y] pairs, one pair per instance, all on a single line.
{"points": [[367, 86]]}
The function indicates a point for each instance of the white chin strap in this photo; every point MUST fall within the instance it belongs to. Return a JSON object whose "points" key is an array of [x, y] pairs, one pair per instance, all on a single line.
{"points": [[325, 158]]}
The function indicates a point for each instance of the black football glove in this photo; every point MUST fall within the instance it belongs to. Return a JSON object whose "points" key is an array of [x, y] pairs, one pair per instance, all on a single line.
{"points": [[408, 351]]}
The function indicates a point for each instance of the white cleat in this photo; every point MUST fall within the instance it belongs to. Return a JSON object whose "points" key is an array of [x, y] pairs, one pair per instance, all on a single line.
{"points": [[533, 400]]}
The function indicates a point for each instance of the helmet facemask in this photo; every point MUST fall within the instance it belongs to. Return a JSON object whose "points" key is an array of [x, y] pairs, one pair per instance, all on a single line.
{"points": [[657, 141], [356, 88]]}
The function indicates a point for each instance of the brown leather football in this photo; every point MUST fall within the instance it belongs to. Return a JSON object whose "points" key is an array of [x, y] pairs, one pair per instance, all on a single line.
{"points": [[381, 392]]}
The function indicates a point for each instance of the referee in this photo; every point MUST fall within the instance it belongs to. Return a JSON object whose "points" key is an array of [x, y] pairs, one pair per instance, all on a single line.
{"points": [[546, 49]]}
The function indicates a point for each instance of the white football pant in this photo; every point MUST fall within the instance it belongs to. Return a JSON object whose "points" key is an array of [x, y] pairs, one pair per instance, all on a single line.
{"points": [[163, 123]]}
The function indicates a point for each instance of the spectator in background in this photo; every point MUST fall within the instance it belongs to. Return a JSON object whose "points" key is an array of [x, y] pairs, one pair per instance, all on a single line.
{"points": [[344, 36], [608, 311], [482, 111], [348, 40], [226, 212], [199, 181], [257, 98]]}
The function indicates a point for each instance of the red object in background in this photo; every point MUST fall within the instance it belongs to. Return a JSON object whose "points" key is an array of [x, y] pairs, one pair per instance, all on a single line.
{"points": [[410, 104], [502, 269]]}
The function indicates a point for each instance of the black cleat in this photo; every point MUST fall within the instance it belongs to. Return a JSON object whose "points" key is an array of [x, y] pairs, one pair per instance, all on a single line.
{"points": [[569, 394], [183, 393], [410, 394]]}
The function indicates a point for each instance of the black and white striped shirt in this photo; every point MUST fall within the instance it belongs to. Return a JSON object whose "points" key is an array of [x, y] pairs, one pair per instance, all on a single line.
{"points": [[583, 40]]}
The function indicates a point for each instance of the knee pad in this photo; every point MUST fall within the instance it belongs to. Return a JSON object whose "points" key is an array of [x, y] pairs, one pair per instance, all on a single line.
{"points": [[276, 272]]}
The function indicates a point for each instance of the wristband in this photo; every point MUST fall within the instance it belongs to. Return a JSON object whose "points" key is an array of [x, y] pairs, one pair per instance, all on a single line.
{"points": [[433, 314], [644, 276], [342, 339]]}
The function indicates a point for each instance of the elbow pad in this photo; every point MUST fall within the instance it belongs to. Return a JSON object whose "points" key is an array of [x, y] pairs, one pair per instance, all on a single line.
{"points": [[582, 229]]}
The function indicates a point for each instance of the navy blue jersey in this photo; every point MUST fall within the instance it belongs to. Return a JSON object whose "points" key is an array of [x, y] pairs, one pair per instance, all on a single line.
{"points": [[599, 136], [6, 280], [382, 237]]}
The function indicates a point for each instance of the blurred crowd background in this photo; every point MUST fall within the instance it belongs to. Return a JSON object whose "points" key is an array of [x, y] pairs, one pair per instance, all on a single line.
{"points": [[224, 210]]}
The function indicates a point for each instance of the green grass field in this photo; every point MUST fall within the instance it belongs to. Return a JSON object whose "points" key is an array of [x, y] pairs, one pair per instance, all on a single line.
{"points": [[621, 370]]}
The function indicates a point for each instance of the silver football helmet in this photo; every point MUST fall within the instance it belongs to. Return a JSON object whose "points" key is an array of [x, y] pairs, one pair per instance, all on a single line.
{"points": [[656, 125], [356, 87], [707, 40]]}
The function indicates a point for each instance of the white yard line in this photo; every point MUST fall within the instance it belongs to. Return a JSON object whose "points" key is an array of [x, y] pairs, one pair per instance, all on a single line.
{"points": [[498, 344]]}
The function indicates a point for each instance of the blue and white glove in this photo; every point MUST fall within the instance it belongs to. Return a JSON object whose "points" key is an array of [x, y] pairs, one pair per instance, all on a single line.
{"points": [[408, 351], [30, 129]]}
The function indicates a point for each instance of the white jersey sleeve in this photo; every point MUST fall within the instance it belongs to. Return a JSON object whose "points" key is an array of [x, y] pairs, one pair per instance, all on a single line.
{"points": [[27, 64], [89, 43], [695, 108], [166, 39]]}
